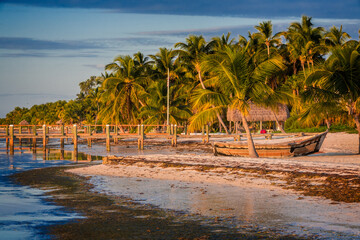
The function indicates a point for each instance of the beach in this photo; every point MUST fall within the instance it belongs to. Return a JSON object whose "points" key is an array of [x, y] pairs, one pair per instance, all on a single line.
{"points": [[315, 195]]}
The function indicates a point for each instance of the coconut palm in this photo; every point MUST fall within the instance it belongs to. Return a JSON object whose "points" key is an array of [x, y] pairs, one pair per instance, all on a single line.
{"points": [[306, 39], [235, 83], [336, 36], [266, 35], [192, 52], [339, 79], [164, 62], [122, 91], [155, 112]]}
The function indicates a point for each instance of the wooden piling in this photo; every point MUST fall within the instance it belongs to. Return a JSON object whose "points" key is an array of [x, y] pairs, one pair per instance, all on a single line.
{"points": [[141, 137], [174, 138], [89, 138], [75, 137], [116, 134], [11, 135], [107, 130], [207, 133], [62, 139], [44, 137], [34, 139]]}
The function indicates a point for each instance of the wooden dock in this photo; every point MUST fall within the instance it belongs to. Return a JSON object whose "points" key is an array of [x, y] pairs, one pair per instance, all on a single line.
{"points": [[41, 134]]}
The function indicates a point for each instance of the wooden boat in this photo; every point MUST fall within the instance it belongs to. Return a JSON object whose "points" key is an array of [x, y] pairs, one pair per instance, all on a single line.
{"points": [[292, 148]]}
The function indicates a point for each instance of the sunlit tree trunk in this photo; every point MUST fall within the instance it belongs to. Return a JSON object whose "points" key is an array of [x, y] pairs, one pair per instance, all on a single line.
{"points": [[357, 122], [251, 145]]}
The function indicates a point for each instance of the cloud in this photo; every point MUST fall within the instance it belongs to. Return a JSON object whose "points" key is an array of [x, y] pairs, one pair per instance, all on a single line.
{"points": [[96, 66], [19, 43], [253, 8]]}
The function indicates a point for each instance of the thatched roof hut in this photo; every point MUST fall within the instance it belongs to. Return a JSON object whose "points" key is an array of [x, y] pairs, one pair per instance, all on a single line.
{"points": [[258, 113], [23, 122]]}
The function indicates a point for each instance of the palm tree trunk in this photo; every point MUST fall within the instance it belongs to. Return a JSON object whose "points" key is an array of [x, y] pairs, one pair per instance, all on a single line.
{"points": [[277, 122], [328, 123], [357, 122], [218, 115], [251, 145], [168, 98]]}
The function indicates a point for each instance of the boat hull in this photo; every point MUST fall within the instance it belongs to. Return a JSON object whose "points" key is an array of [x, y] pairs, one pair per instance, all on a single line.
{"points": [[296, 148]]}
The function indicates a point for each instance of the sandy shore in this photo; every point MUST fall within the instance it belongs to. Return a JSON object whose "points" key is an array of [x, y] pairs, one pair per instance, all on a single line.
{"points": [[310, 196], [337, 156]]}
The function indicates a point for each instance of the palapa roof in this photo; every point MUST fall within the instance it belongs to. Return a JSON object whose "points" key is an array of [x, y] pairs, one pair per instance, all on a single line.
{"points": [[258, 113], [23, 122]]}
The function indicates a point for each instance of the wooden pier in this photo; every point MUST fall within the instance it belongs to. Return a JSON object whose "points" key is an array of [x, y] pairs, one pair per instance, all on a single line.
{"points": [[41, 134]]}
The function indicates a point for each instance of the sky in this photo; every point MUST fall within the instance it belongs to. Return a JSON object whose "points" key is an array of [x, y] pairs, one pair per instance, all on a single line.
{"points": [[47, 47]]}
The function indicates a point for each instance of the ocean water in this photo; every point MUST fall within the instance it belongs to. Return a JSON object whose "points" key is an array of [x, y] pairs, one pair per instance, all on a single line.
{"points": [[23, 210]]}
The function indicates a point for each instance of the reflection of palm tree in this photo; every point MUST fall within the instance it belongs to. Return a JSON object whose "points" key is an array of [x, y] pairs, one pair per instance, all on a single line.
{"points": [[236, 83]]}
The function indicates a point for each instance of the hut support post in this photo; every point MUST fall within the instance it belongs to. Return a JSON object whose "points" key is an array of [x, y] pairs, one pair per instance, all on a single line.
{"points": [[107, 138], [261, 125], [11, 134], [75, 137]]}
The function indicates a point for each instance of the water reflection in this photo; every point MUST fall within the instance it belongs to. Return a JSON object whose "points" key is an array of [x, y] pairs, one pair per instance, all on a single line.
{"points": [[23, 211]]}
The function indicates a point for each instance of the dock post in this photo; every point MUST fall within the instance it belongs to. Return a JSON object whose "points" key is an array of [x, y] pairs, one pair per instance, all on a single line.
{"points": [[75, 137], [107, 137], [62, 132], [11, 133], [44, 137], [89, 138], [207, 133], [116, 133], [34, 139], [141, 137], [7, 137], [174, 139]]}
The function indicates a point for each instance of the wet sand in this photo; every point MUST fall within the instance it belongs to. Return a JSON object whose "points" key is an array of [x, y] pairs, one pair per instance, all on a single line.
{"points": [[317, 194]]}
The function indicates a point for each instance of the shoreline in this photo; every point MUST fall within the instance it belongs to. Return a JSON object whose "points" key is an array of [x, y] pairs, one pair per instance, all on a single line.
{"points": [[109, 217], [330, 178]]}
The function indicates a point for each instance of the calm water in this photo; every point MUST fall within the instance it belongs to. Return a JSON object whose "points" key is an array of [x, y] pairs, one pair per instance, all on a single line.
{"points": [[23, 210]]}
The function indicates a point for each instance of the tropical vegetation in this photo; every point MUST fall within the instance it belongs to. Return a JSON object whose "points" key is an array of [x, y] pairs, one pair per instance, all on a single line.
{"points": [[314, 71]]}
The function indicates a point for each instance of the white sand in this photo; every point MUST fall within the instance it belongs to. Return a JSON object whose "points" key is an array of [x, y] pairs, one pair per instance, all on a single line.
{"points": [[337, 156]]}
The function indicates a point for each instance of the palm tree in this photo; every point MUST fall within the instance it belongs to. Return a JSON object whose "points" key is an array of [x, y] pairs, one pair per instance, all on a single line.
{"points": [[155, 111], [192, 52], [235, 83], [307, 40], [336, 36], [122, 91], [164, 62], [339, 79], [265, 32]]}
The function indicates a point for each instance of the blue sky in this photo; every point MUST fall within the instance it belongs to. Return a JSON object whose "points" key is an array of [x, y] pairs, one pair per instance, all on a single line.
{"points": [[48, 47]]}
